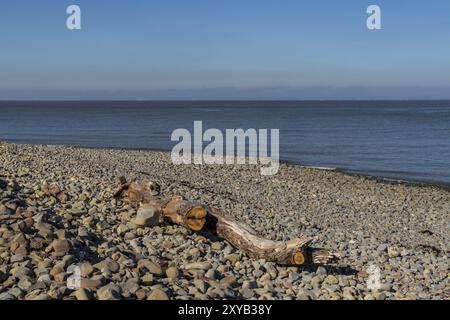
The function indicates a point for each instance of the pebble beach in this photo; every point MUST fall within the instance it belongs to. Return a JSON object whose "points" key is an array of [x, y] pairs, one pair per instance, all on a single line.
{"points": [[400, 230]]}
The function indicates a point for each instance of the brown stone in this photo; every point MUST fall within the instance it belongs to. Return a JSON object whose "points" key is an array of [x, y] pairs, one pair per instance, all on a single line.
{"points": [[228, 280], [151, 267], [27, 214], [86, 269], [8, 234], [108, 264], [61, 277], [37, 243], [62, 197], [44, 230], [158, 294], [141, 294], [26, 225], [93, 283], [51, 189], [61, 234], [22, 250], [18, 241], [172, 273], [82, 294], [362, 274], [57, 269], [61, 247]]}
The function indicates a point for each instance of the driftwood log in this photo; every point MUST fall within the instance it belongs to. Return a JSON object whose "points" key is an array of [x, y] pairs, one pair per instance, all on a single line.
{"points": [[197, 217], [176, 209]]}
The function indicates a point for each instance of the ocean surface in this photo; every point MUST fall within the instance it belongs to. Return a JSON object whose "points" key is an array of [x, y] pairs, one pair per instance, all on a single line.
{"points": [[406, 140]]}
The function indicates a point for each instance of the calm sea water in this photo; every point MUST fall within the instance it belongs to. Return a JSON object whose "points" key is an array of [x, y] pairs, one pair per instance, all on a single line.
{"points": [[407, 140]]}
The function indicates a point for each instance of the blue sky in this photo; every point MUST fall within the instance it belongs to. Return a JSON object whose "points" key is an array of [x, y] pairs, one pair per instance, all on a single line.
{"points": [[293, 49]]}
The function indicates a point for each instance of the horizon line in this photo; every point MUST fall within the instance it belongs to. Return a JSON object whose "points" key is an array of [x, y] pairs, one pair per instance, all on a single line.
{"points": [[217, 100]]}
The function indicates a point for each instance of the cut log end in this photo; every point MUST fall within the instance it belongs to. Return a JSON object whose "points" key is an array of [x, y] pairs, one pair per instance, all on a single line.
{"points": [[196, 218], [298, 259], [184, 213]]}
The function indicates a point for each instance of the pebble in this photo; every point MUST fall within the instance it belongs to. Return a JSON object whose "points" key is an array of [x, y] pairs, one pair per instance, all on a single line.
{"points": [[147, 216], [331, 279], [147, 279], [109, 292], [38, 297], [233, 258], [321, 271], [130, 286], [348, 293], [211, 274], [200, 285], [141, 294], [248, 293], [82, 294], [92, 283], [61, 247], [198, 266], [216, 246], [150, 266], [3, 184], [228, 280], [107, 264], [172, 273], [393, 252], [86, 269], [158, 294]]}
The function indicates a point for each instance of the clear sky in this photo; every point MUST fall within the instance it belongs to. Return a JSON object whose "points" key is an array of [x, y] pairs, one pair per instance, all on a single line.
{"points": [[224, 49]]}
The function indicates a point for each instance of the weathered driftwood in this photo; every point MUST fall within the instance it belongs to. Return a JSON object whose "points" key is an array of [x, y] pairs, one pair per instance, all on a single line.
{"points": [[196, 217], [246, 239], [293, 252]]}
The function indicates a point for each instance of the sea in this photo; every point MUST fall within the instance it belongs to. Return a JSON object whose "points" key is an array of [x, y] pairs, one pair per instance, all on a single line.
{"points": [[397, 140]]}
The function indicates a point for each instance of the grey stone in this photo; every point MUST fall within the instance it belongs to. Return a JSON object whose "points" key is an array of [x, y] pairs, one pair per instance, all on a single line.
{"points": [[211, 274], [147, 216], [7, 296], [321, 271], [200, 285], [109, 292], [198, 266], [248, 293], [152, 267]]}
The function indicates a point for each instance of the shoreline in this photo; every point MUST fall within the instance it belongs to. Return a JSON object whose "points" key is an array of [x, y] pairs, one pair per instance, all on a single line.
{"points": [[382, 179]]}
